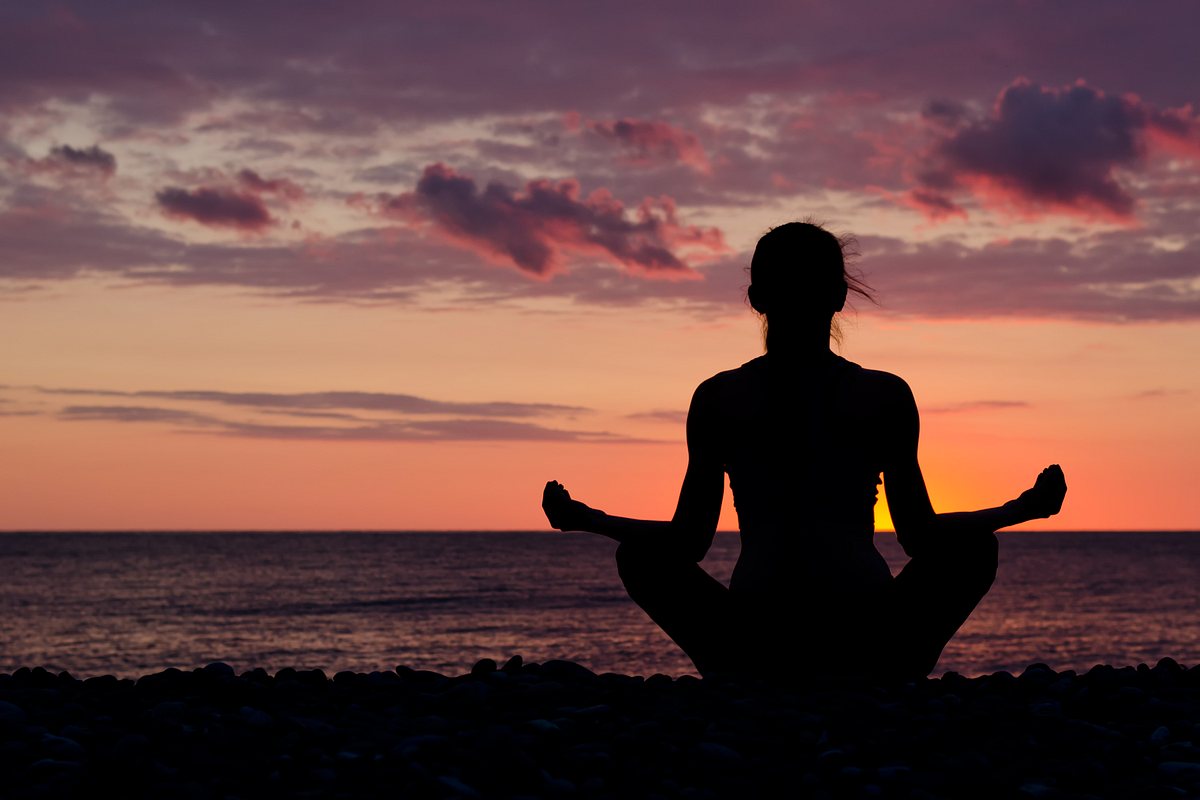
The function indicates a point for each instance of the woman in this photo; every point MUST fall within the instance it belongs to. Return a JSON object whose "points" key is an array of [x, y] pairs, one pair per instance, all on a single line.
{"points": [[804, 436]]}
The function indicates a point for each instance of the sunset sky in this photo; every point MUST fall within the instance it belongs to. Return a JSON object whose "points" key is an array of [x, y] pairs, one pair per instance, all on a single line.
{"points": [[360, 265]]}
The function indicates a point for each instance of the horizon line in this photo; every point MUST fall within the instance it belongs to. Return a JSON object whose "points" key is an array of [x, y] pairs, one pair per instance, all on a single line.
{"points": [[551, 532]]}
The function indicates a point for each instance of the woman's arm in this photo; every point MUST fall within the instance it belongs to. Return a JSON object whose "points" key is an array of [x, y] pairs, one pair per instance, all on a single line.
{"points": [[690, 531], [917, 526]]}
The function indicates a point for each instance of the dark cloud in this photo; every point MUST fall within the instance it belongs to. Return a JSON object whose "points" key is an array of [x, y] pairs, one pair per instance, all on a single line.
{"points": [[453, 430], [934, 204], [388, 174], [1047, 148], [1118, 276], [533, 229], [358, 401], [1115, 276], [447, 430], [674, 417], [362, 61], [137, 414], [215, 207], [976, 405], [944, 113], [252, 181], [649, 142], [88, 158], [261, 146], [1156, 394]]}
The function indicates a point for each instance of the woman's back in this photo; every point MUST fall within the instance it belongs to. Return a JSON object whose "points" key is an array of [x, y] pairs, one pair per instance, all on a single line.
{"points": [[803, 444]]}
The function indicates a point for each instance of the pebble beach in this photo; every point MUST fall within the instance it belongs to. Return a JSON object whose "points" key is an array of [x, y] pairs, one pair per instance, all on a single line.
{"points": [[556, 729]]}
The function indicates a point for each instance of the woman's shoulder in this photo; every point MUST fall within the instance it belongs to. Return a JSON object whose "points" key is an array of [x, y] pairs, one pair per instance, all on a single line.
{"points": [[729, 386], [887, 390], [879, 378], [736, 375]]}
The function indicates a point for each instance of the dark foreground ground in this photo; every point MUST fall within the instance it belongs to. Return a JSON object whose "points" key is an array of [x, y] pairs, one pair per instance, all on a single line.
{"points": [[558, 730]]}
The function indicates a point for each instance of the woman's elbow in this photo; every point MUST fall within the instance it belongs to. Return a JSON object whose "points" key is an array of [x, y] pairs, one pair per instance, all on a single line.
{"points": [[915, 537], [692, 544]]}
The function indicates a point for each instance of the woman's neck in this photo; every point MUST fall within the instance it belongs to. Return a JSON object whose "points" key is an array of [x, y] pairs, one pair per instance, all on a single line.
{"points": [[808, 343]]}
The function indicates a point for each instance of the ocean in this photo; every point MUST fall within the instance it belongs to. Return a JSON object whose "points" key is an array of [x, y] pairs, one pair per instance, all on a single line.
{"points": [[133, 603]]}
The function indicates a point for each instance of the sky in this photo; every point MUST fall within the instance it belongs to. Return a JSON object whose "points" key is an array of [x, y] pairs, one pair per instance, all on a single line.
{"points": [[363, 265]]}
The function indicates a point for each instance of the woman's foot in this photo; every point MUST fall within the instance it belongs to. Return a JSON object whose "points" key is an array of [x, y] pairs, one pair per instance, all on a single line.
{"points": [[1045, 499], [564, 513]]}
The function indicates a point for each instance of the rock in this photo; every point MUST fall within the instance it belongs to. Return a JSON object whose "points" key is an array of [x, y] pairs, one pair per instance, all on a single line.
{"points": [[567, 670], [255, 718], [52, 765], [719, 752], [60, 747], [483, 666], [557, 785], [456, 785], [1180, 768], [313, 677], [1034, 789], [894, 772], [11, 712], [130, 747], [345, 678], [1037, 675], [1046, 708], [496, 731], [513, 664], [101, 682], [219, 668]]}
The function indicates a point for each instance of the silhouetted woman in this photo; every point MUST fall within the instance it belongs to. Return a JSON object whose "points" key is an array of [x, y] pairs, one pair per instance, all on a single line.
{"points": [[804, 436]]}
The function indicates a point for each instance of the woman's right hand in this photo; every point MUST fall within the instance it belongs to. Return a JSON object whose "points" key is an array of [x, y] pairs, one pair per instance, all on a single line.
{"points": [[564, 513], [1045, 499]]}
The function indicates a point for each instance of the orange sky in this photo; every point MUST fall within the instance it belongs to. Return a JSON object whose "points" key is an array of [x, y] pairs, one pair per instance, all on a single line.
{"points": [[1107, 402], [257, 276]]}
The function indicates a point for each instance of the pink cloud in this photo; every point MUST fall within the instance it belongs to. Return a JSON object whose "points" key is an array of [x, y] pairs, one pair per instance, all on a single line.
{"points": [[537, 228], [648, 142], [1111, 276], [64, 161], [282, 187], [88, 158], [1046, 149], [216, 207], [933, 204]]}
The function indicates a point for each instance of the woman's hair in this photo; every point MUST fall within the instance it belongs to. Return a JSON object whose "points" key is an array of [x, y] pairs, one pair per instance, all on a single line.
{"points": [[803, 268]]}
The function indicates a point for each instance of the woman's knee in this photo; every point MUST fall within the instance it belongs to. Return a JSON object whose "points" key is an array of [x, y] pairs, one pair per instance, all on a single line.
{"points": [[979, 559], [633, 564], [627, 556], [988, 556]]}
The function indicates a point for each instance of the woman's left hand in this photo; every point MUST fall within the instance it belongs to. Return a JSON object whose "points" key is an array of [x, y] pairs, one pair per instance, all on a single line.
{"points": [[564, 513]]}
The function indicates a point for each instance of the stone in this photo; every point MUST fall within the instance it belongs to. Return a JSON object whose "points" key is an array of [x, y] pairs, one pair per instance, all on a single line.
{"points": [[456, 785], [483, 666], [11, 712]]}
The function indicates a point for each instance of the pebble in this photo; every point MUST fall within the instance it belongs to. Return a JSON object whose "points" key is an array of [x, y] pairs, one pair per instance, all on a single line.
{"points": [[557, 729], [11, 712]]}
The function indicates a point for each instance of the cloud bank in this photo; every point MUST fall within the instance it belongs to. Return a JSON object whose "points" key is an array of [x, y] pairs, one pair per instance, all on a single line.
{"points": [[535, 229], [1047, 148], [389, 417]]}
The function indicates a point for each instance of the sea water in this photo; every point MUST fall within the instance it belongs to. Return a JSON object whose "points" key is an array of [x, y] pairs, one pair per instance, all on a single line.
{"points": [[133, 603]]}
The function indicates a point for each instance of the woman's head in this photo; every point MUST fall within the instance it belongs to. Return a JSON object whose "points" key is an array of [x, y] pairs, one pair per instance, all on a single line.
{"points": [[799, 277]]}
